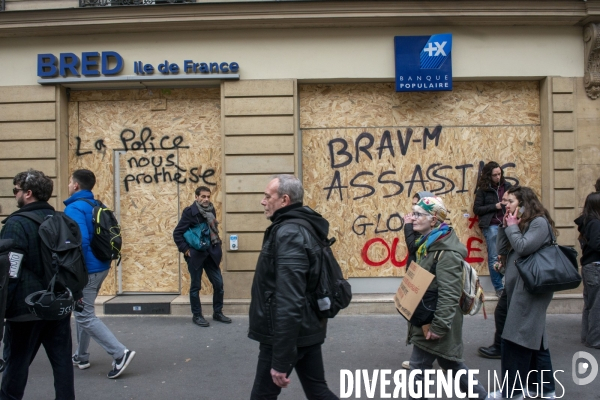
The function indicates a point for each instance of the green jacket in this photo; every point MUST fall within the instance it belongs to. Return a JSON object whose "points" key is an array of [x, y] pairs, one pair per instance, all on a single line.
{"points": [[448, 320]]}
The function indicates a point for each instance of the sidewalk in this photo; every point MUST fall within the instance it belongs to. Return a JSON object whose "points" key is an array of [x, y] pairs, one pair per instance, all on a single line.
{"points": [[177, 360]]}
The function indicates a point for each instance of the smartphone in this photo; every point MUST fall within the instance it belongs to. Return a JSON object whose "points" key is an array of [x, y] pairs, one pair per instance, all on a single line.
{"points": [[521, 211]]}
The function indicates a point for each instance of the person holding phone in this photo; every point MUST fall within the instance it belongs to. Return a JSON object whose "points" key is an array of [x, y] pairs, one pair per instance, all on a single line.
{"points": [[488, 207], [525, 229], [588, 224]]}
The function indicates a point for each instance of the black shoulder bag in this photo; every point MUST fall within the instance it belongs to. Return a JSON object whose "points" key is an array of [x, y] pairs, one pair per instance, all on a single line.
{"points": [[550, 269]]}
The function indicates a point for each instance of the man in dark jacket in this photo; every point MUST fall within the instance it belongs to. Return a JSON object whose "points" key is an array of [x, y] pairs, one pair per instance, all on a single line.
{"points": [[281, 318], [202, 210], [24, 332], [88, 325]]}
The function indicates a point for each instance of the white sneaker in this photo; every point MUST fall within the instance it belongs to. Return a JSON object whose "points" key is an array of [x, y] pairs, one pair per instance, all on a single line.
{"points": [[406, 364]]}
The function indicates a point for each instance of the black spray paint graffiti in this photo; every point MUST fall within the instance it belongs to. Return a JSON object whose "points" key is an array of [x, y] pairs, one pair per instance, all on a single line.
{"points": [[436, 173], [166, 169]]}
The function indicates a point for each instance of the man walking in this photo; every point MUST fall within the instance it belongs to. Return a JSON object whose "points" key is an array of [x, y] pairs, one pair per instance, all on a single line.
{"points": [[202, 210], [24, 332], [87, 323], [281, 319]]}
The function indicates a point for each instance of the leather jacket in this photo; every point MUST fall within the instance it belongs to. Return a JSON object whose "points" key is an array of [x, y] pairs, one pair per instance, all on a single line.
{"points": [[287, 269]]}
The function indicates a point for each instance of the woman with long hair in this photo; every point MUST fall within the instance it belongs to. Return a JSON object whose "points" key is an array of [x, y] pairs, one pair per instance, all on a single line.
{"points": [[488, 207], [526, 228], [588, 224]]}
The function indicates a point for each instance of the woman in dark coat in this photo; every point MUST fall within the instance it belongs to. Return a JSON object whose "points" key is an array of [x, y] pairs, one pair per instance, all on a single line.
{"points": [[526, 228], [589, 238]]}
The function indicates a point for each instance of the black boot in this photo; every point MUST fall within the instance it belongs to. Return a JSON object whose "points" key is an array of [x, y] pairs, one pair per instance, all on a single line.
{"points": [[489, 352]]}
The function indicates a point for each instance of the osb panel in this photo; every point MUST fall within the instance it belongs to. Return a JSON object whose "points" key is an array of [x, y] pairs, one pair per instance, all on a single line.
{"points": [[449, 168], [144, 94], [470, 103], [150, 268], [183, 139]]}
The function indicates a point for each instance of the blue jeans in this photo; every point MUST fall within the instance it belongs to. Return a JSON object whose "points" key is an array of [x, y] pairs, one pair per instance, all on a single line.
{"points": [[88, 325], [516, 358], [213, 272], [310, 370], [490, 234], [22, 341]]}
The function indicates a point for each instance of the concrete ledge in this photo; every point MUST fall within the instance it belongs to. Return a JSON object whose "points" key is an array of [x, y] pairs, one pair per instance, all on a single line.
{"points": [[362, 304]]}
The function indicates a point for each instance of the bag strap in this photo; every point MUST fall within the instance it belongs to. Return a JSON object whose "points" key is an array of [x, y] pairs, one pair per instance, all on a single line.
{"points": [[90, 203], [312, 231], [436, 258], [553, 238], [32, 216]]}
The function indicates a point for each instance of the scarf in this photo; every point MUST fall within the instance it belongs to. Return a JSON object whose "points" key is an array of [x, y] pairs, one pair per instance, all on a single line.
{"points": [[425, 241], [209, 214]]}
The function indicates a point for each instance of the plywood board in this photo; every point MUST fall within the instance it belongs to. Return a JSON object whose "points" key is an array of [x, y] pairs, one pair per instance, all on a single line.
{"points": [[169, 151], [362, 179]]}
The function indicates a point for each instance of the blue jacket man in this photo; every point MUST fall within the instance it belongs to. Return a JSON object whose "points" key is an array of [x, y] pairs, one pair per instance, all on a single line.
{"points": [[87, 323]]}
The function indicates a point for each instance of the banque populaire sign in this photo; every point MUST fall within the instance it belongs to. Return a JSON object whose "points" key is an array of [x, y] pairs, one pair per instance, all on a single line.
{"points": [[108, 65], [423, 63]]}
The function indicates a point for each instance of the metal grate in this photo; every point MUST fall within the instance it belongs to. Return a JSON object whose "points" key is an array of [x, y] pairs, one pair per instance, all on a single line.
{"points": [[108, 3]]}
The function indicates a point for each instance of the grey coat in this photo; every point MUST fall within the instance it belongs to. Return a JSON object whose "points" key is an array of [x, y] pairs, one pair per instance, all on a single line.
{"points": [[526, 317]]}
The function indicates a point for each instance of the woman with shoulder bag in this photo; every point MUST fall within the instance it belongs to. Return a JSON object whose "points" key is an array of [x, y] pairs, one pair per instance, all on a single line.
{"points": [[589, 237], [525, 229], [443, 339]]}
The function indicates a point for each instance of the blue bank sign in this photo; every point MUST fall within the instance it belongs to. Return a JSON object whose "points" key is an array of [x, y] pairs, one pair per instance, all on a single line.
{"points": [[423, 63]]}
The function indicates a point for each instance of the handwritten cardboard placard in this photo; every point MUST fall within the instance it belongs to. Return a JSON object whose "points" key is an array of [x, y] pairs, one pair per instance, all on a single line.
{"points": [[412, 289]]}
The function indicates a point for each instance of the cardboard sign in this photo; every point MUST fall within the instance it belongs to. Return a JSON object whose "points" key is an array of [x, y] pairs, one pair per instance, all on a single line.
{"points": [[415, 283]]}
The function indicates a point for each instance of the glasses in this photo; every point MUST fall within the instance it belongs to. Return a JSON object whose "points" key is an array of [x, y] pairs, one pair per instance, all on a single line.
{"points": [[16, 190]]}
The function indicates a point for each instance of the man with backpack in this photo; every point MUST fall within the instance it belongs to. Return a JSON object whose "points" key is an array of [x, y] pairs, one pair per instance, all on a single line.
{"points": [[80, 207], [288, 328], [24, 331], [205, 258]]}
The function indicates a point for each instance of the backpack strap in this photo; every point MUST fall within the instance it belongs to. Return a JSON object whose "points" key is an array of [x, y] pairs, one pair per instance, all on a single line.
{"points": [[89, 202], [436, 258], [309, 227], [32, 216]]}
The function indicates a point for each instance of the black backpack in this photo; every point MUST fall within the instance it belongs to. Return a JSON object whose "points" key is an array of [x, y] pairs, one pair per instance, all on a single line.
{"points": [[106, 241], [5, 246], [333, 293], [61, 251]]}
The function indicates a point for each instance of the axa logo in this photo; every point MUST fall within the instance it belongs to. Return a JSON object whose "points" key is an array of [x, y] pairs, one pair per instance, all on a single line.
{"points": [[436, 51]]}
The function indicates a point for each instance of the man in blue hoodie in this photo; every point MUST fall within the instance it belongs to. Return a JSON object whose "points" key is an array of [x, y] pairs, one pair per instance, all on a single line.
{"points": [[87, 323]]}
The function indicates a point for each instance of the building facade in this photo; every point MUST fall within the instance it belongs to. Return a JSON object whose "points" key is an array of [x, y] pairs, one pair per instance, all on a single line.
{"points": [[158, 99]]}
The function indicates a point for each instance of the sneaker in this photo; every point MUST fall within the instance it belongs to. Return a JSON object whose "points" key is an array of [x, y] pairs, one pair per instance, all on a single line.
{"points": [[221, 318], [120, 364], [406, 364], [200, 321], [81, 364]]}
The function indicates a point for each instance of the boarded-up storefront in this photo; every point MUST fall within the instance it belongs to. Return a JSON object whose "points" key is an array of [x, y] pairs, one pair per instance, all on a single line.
{"points": [[149, 149], [367, 150]]}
